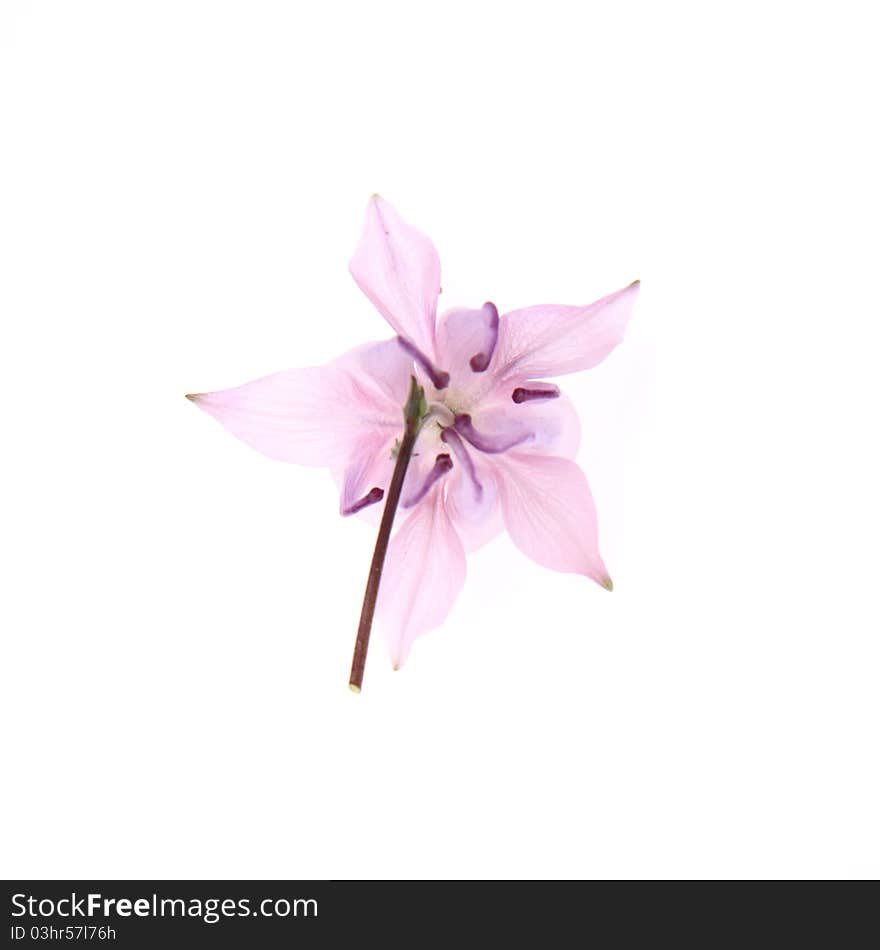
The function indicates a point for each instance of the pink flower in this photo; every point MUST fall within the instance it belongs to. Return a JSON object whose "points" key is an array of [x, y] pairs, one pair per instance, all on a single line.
{"points": [[494, 449]]}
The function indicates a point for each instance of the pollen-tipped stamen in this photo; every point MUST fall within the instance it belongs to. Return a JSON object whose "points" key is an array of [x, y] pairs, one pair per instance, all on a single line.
{"points": [[479, 362], [487, 443], [439, 377], [371, 497], [442, 464], [521, 394], [454, 441]]}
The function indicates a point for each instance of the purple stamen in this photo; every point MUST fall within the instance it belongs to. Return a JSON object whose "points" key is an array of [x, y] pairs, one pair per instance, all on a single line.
{"points": [[486, 443], [439, 377], [480, 361], [453, 439], [371, 497], [527, 395], [442, 464]]}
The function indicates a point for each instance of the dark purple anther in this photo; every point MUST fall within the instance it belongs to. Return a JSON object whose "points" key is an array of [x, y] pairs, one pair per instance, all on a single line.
{"points": [[439, 377], [527, 395], [371, 497], [480, 361], [453, 439], [442, 464], [487, 443]]}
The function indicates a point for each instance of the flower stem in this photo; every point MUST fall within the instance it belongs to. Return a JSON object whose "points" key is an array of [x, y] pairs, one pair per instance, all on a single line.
{"points": [[412, 415]]}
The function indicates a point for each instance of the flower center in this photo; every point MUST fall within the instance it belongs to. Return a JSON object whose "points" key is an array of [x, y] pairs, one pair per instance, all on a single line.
{"points": [[439, 410]]}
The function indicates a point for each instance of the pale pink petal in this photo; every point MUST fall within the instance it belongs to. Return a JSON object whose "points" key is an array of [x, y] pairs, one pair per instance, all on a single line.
{"points": [[468, 487], [397, 267], [466, 341], [424, 572], [549, 513], [384, 371], [544, 426], [367, 466], [371, 465], [298, 415], [436, 472], [472, 499], [344, 415], [552, 340]]}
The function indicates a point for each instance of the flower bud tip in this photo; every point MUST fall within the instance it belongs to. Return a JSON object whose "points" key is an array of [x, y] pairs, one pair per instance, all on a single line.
{"points": [[608, 584], [192, 397], [354, 687]]}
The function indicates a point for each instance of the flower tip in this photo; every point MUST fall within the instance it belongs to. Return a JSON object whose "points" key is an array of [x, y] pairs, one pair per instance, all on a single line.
{"points": [[354, 687], [635, 285], [608, 584], [192, 397]]}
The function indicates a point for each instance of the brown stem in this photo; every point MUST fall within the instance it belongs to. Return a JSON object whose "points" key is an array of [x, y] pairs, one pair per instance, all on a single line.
{"points": [[412, 414]]}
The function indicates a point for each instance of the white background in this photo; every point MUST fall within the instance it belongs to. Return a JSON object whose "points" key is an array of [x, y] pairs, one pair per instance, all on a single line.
{"points": [[182, 186]]}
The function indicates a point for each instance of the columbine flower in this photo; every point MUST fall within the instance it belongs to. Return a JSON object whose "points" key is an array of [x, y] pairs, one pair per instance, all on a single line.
{"points": [[488, 443]]}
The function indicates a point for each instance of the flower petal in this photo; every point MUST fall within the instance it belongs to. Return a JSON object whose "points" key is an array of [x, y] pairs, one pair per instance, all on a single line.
{"points": [[466, 341], [344, 415], [549, 513], [367, 466], [398, 268], [424, 572], [383, 370], [553, 340], [371, 465], [549, 427], [472, 500]]}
